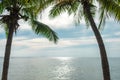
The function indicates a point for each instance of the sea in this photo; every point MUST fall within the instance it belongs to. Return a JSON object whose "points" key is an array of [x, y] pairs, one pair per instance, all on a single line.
{"points": [[59, 68]]}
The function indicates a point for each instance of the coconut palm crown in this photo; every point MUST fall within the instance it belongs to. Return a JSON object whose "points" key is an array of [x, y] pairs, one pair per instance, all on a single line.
{"points": [[27, 10]]}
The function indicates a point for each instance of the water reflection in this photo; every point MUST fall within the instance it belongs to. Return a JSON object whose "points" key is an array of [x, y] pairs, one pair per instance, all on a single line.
{"points": [[64, 58], [64, 70]]}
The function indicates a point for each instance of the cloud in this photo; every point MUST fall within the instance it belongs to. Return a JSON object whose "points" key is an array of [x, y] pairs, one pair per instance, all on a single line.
{"points": [[23, 46], [115, 40], [117, 33], [42, 43], [24, 25], [64, 21]]}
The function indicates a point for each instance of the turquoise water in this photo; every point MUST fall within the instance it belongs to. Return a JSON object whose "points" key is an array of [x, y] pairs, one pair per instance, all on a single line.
{"points": [[59, 68]]}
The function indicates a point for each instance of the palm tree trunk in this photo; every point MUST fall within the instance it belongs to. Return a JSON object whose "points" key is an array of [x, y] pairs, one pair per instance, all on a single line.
{"points": [[103, 54], [7, 54]]}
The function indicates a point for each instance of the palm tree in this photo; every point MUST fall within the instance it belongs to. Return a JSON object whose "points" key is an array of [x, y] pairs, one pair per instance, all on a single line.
{"points": [[28, 11], [86, 9]]}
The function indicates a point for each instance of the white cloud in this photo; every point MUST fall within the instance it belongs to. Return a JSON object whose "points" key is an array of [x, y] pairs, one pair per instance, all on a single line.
{"points": [[64, 21], [24, 25], [117, 33], [113, 40], [43, 43]]}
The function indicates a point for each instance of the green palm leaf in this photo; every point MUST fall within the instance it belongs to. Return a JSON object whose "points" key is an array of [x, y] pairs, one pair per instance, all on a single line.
{"points": [[103, 16], [42, 29], [112, 7], [63, 6], [58, 9]]}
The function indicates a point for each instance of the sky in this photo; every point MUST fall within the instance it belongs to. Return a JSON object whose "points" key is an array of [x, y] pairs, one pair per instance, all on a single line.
{"points": [[74, 41]]}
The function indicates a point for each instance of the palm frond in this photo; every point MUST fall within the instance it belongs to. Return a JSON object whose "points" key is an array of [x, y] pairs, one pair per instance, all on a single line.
{"points": [[6, 30], [59, 8], [112, 7], [79, 14], [102, 18], [69, 6], [5, 27], [86, 20], [42, 29], [1, 7], [41, 5], [29, 11], [35, 7], [73, 7], [92, 9]]}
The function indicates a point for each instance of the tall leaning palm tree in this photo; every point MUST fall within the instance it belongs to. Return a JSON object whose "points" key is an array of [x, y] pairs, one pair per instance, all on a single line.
{"points": [[27, 10], [86, 9]]}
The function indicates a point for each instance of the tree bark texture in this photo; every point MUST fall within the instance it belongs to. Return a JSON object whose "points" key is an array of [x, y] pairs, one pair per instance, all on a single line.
{"points": [[7, 54]]}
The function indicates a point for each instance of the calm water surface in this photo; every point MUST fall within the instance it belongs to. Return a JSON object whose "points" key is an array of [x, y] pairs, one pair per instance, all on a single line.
{"points": [[59, 68]]}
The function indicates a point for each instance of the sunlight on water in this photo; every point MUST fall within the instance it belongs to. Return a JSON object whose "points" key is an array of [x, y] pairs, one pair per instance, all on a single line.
{"points": [[64, 69], [59, 68], [62, 72], [63, 58]]}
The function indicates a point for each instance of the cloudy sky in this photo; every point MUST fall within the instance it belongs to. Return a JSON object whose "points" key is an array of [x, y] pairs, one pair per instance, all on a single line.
{"points": [[75, 41]]}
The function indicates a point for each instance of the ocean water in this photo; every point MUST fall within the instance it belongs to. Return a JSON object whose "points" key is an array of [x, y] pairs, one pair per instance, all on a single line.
{"points": [[59, 68]]}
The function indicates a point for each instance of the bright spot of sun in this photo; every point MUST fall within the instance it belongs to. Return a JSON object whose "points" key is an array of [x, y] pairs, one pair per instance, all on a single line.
{"points": [[63, 58]]}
